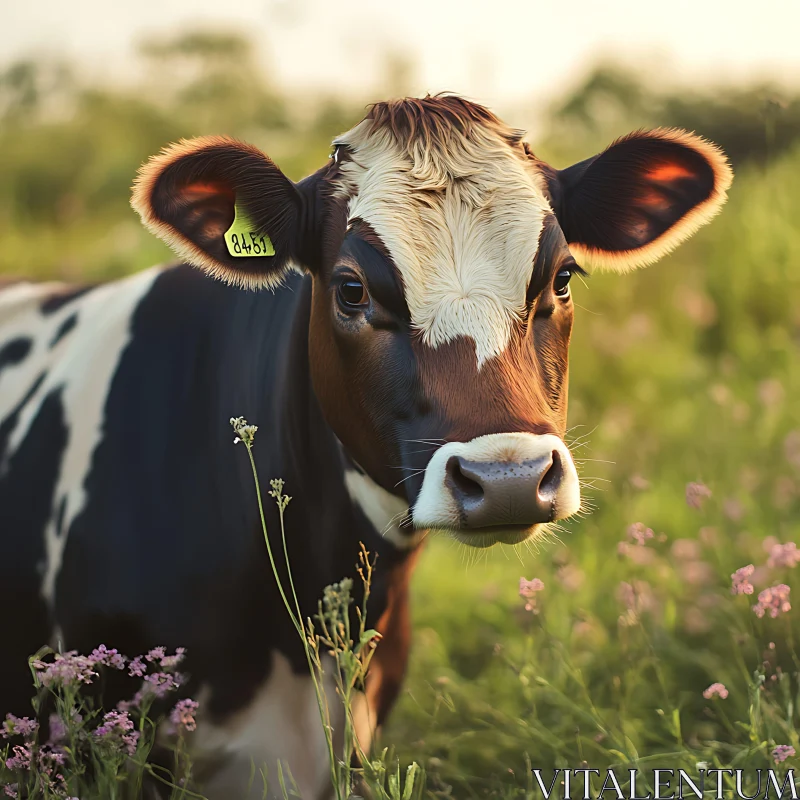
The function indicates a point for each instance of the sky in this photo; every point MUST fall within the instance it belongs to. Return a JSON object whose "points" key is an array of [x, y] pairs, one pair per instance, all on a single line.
{"points": [[496, 51]]}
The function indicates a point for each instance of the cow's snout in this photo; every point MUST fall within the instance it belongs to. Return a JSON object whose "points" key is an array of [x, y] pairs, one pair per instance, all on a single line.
{"points": [[498, 487], [505, 492]]}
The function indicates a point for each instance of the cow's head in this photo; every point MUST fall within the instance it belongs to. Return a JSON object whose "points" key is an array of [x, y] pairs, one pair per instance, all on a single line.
{"points": [[441, 251]]}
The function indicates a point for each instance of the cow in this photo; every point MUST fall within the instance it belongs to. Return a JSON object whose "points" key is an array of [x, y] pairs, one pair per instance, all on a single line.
{"points": [[407, 366]]}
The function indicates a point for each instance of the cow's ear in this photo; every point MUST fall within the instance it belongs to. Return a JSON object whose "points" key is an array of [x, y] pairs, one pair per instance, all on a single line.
{"points": [[640, 198], [190, 194]]}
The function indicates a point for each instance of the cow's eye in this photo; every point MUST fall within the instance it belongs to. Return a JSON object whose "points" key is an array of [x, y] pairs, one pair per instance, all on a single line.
{"points": [[561, 283], [352, 294]]}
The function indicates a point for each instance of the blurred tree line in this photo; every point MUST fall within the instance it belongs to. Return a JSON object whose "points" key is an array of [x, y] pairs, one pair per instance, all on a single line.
{"points": [[69, 149], [752, 123]]}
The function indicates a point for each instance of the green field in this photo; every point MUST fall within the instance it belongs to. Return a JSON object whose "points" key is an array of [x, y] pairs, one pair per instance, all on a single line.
{"points": [[685, 372]]}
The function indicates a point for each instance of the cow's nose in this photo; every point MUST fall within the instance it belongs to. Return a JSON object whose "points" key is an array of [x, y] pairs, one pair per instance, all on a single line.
{"points": [[490, 493]]}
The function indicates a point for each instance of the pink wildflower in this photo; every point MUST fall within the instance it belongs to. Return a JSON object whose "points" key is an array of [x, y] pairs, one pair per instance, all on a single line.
{"points": [[570, 577], [18, 726], [182, 716], [118, 730], [21, 758], [791, 448], [160, 683], [782, 752], [639, 533], [58, 727], [170, 662], [686, 549], [775, 599], [155, 686], [697, 494], [783, 555], [528, 590], [11, 789], [733, 509], [66, 669], [156, 654], [137, 667], [102, 656], [716, 690], [637, 597], [740, 580]]}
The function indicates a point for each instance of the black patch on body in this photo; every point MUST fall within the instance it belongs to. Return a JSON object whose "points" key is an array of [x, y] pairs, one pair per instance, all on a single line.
{"points": [[64, 328], [10, 422], [15, 351], [26, 500], [57, 301]]}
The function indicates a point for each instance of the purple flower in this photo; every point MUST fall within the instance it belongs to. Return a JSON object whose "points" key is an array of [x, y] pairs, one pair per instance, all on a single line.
{"points": [[58, 727], [117, 730], [783, 555], [18, 726], [637, 597], [11, 789], [155, 686], [67, 669], [740, 580], [170, 662], [528, 590], [696, 494], [156, 654], [716, 690], [775, 600], [161, 683], [137, 667], [109, 658], [21, 758], [183, 715], [782, 752], [639, 533]]}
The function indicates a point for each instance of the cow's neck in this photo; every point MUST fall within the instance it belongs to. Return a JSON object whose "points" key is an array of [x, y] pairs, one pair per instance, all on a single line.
{"points": [[334, 506]]}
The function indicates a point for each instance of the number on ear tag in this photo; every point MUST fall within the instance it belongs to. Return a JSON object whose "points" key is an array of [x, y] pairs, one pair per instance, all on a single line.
{"points": [[242, 239]]}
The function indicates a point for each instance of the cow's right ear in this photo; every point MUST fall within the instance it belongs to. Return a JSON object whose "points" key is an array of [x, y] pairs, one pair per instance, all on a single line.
{"points": [[191, 194]]}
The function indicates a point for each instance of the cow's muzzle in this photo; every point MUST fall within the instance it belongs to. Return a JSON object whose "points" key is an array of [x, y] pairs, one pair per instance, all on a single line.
{"points": [[499, 487]]}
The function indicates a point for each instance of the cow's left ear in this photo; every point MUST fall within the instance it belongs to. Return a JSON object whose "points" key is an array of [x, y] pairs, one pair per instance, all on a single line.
{"points": [[640, 198], [191, 193]]}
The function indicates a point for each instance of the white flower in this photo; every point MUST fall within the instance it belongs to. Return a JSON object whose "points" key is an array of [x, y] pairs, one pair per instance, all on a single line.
{"points": [[245, 433]]}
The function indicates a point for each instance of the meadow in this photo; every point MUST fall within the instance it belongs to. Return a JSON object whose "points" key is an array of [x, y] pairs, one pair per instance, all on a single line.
{"points": [[683, 417]]}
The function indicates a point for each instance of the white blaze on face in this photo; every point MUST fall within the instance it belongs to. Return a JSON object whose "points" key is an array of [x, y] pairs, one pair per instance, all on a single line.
{"points": [[462, 221]]}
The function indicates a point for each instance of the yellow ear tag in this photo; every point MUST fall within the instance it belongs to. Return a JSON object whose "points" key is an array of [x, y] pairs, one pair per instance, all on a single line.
{"points": [[242, 239]]}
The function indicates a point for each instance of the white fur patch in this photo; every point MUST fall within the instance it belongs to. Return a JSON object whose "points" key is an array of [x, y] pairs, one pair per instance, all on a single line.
{"points": [[82, 366], [281, 723], [437, 508], [462, 222], [381, 508]]}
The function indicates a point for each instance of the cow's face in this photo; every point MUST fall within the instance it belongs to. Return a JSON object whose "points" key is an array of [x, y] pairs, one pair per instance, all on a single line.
{"points": [[441, 252]]}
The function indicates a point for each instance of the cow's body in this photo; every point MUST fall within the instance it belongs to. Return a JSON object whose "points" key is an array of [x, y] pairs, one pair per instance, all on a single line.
{"points": [[146, 527], [417, 374]]}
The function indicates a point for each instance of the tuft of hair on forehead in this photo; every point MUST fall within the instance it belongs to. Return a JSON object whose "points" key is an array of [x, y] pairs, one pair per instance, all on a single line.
{"points": [[436, 119], [443, 136]]}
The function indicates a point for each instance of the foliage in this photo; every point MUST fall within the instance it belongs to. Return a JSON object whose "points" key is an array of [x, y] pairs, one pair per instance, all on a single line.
{"points": [[73, 748], [751, 123]]}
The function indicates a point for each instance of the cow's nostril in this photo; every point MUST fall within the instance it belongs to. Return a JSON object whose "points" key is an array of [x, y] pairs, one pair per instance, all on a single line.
{"points": [[551, 480], [468, 488]]}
